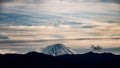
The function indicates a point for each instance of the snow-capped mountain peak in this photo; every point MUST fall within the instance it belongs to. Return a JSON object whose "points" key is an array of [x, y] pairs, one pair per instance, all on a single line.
{"points": [[57, 49]]}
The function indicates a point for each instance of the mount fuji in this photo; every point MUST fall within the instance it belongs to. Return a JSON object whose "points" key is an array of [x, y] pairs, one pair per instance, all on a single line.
{"points": [[57, 49]]}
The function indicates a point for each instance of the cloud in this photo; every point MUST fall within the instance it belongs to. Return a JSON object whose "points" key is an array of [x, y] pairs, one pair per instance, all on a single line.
{"points": [[46, 1], [61, 31], [116, 1], [64, 5], [111, 1], [4, 51], [4, 37], [59, 19], [58, 26], [2, 1], [26, 25], [27, 1]]}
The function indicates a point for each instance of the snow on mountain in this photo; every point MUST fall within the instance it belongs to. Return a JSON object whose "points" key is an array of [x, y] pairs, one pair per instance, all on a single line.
{"points": [[57, 49]]}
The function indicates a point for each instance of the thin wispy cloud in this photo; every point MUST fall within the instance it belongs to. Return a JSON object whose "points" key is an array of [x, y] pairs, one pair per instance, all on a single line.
{"points": [[4, 51]]}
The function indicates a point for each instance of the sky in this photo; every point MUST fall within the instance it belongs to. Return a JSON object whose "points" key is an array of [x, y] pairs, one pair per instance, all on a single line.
{"points": [[26, 23]]}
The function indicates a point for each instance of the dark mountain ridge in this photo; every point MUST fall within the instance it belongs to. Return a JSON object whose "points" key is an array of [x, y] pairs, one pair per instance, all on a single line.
{"points": [[39, 60]]}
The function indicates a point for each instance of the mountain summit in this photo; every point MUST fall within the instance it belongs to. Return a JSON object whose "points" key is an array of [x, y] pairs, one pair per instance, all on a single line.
{"points": [[57, 49]]}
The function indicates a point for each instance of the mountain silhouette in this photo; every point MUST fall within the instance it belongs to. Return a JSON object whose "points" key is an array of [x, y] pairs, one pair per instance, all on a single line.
{"points": [[39, 60]]}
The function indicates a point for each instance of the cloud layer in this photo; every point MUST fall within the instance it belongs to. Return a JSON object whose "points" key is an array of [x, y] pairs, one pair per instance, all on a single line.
{"points": [[22, 20], [4, 51]]}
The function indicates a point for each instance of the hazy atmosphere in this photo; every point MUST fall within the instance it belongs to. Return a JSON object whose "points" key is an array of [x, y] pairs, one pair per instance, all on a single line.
{"points": [[31, 25]]}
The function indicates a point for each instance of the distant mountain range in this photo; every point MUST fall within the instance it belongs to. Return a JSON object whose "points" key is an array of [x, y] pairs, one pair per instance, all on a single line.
{"points": [[39, 60]]}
